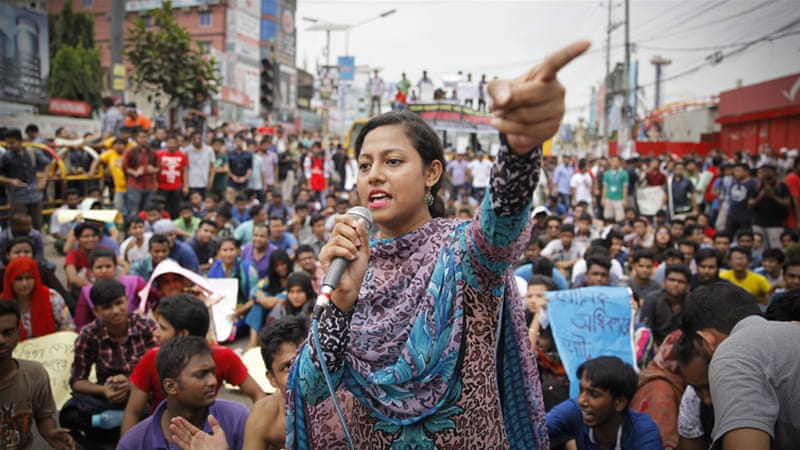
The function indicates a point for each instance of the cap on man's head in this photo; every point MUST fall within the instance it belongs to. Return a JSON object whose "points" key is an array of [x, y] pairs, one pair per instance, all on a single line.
{"points": [[163, 226]]}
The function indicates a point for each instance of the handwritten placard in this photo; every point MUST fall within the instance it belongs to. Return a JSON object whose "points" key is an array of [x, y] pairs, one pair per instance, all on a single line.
{"points": [[590, 322], [255, 366], [55, 352]]}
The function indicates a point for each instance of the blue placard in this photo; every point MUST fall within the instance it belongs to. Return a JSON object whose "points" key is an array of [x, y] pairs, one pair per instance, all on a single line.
{"points": [[590, 322]]}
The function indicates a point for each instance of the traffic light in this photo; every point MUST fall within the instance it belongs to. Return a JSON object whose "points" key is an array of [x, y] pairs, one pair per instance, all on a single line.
{"points": [[267, 85]]}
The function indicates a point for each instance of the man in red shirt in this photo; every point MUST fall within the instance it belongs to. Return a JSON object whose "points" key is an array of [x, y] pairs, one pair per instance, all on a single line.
{"points": [[181, 315], [139, 164], [792, 181], [173, 178]]}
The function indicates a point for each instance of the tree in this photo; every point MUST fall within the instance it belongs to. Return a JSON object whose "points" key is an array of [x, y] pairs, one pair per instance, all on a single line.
{"points": [[166, 59], [75, 69]]}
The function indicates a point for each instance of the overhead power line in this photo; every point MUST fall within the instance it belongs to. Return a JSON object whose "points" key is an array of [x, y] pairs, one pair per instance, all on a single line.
{"points": [[688, 17], [715, 47]]}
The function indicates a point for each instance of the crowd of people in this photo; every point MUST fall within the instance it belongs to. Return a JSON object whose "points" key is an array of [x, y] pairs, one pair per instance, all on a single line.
{"points": [[709, 247]]}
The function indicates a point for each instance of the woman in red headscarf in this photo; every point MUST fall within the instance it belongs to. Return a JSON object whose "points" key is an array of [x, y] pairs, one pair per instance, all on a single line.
{"points": [[43, 309]]}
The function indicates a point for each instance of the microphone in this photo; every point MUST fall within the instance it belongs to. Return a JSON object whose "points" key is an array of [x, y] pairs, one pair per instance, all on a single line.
{"points": [[339, 264]]}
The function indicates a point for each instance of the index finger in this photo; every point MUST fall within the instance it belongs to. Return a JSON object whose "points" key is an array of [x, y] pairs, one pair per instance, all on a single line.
{"points": [[549, 68]]}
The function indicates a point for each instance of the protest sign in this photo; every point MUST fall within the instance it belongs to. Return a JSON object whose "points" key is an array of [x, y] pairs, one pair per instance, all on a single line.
{"points": [[255, 367], [590, 322], [55, 352]]}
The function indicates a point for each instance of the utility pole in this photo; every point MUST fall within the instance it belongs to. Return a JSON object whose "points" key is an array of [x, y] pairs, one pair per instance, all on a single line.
{"points": [[117, 17], [626, 118], [659, 61], [608, 71]]}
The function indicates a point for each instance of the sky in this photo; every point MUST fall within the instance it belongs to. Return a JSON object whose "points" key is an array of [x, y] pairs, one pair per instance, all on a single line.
{"points": [[506, 38]]}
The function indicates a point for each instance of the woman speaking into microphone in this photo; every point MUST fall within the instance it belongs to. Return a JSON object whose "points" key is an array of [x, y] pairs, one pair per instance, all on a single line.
{"points": [[425, 336]]}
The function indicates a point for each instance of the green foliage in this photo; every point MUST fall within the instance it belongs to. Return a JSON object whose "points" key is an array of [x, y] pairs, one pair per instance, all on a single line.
{"points": [[166, 58], [75, 69]]}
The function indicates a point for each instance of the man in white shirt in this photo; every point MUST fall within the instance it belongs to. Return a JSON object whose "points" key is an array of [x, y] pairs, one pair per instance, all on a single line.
{"points": [[581, 184], [376, 90], [481, 170], [201, 164]]}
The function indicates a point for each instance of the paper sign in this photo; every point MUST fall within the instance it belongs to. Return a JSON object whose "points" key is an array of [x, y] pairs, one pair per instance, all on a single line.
{"points": [[255, 366], [55, 352], [98, 215], [590, 322], [222, 311]]}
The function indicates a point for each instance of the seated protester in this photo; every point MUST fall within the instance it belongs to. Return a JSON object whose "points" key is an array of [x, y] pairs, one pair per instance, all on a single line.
{"points": [[641, 281], [244, 232], [597, 251], [676, 228], [660, 391], [616, 247], [688, 249], [25, 391], [299, 301], [600, 418], [722, 243], [564, 252], [753, 370], [542, 266], [532, 250], [641, 236], [281, 238], [300, 226], [553, 376], [178, 250], [181, 315], [102, 263], [671, 256], [108, 236], [745, 239], [203, 244], [224, 220], [42, 310], [257, 252], [59, 231], [771, 264], [21, 225], [152, 213], [308, 263], [756, 285], [757, 252], [268, 293], [187, 373], [708, 261], [186, 223], [785, 307], [113, 343], [662, 243], [158, 247], [791, 278], [319, 234], [198, 205], [135, 247], [22, 246], [696, 234], [241, 210], [663, 311], [598, 270], [76, 263], [584, 232], [266, 424], [229, 264], [695, 414]]}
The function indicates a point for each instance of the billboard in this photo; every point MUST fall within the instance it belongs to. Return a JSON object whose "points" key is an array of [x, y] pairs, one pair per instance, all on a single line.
{"points": [[24, 55], [347, 68], [287, 33]]}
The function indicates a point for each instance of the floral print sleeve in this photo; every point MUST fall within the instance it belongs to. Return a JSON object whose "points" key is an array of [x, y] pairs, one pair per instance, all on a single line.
{"points": [[61, 313]]}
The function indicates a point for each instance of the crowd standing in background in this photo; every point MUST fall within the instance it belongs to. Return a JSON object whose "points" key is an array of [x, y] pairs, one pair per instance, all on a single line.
{"points": [[708, 244]]}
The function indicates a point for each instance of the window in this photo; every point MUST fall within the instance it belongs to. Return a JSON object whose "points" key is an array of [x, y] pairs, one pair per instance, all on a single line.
{"points": [[205, 45], [87, 3], [148, 22], [205, 19]]}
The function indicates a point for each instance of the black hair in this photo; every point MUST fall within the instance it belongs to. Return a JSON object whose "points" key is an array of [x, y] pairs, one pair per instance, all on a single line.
{"points": [[71, 191], [153, 206], [685, 352], [175, 355], [598, 261], [8, 308], [723, 234], [236, 243], [302, 280], [81, 227], [104, 292], [16, 240], [691, 228], [585, 217], [785, 307], [102, 252], [680, 222], [669, 253], [239, 198], [706, 253], [277, 256], [157, 239], [13, 133], [185, 205], [107, 102], [547, 282], [225, 210], [614, 234], [316, 218], [643, 253], [255, 209], [422, 137], [132, 220], [719, 305], [185, 312], [566, 228], [791, 232], [556, 218], [288, 330], [742, 251], [641, 220], [690, 243], [774, 253], [305, 248], [600, 243], [208, 222], [611, 374], [791, 262], [542, 266], [745, 232], [661, 213], [678, 268]]}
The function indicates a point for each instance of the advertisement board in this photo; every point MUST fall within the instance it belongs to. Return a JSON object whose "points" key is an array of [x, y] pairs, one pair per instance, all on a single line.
{"points": [[24, 55]]}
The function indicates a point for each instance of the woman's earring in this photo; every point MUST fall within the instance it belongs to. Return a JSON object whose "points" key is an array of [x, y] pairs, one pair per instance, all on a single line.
{"points": [[429, 199]]}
